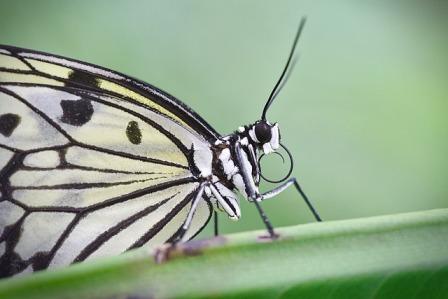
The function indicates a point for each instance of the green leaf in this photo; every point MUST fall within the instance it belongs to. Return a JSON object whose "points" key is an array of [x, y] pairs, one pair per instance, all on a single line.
{"points": [[396, 256]]}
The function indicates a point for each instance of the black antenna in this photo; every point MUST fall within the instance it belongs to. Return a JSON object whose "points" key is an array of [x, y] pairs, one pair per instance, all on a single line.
{"points": [[276, 87], [288, 74]]}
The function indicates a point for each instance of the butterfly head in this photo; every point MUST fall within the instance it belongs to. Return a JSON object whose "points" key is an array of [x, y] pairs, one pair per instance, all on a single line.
{"points": [[266, 138], [265, 135]]}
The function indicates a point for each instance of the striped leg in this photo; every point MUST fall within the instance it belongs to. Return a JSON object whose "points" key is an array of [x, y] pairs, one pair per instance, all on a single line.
{"points": [[282, 187], [200, 192], [183, 230], [162, 253]]}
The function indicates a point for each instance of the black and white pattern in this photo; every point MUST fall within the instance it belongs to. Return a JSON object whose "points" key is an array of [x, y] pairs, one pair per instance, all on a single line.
{"points": [[94, 163]]}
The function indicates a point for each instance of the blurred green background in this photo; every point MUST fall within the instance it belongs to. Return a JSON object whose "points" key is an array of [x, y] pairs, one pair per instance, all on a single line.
{"points": [[364, 113]]}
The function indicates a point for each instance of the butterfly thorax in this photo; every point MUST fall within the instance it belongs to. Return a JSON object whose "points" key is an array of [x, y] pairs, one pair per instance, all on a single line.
{"points": [[235, 160]]}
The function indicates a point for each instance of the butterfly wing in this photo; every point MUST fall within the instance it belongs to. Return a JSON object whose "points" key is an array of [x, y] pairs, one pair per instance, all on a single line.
{"points": [[93, 163]]}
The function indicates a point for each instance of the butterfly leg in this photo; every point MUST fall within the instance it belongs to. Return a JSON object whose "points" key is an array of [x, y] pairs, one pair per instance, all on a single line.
{"points": [[292, 181], [228, 203], [215, 219], [183, 230], [243, 161], [265, 218], [163, 252]]}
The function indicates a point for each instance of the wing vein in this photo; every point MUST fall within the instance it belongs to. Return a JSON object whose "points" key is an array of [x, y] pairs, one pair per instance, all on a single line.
{"points": [[105, 236]]}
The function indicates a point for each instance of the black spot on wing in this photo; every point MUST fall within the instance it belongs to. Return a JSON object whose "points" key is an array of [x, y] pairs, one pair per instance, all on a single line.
{"points": [[76, 112], [77, 77], [8, 123], [133, 132]]}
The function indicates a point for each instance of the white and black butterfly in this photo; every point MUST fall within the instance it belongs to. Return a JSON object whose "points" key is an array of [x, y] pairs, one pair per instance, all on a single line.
{"points": [[94, 163]]}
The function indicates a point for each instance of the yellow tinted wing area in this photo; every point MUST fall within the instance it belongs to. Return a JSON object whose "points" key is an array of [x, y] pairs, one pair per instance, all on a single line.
{"points": [[91, 165], [57, 71]]}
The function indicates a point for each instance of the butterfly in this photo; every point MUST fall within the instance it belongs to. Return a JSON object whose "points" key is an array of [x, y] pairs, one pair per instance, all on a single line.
{"points": [[94, 163]]}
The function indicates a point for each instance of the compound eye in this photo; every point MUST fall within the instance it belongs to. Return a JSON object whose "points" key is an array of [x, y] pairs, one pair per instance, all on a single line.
{"points": [[263, 132]]}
